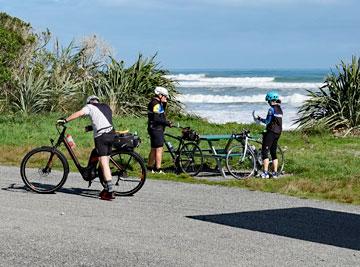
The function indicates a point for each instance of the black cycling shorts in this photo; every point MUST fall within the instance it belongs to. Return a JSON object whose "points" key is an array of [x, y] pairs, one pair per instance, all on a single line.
{"points": [[103, 143], [156, 137]]}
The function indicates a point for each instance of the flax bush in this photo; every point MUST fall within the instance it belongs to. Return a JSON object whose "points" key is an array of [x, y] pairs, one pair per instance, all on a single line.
{"points": [[337, 103]]}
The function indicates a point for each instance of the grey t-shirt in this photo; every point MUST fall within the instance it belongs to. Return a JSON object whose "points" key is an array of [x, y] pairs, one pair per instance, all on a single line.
{"points": [[99, 121]]}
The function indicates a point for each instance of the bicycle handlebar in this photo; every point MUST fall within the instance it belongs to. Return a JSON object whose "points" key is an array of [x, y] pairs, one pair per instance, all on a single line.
{"points": [[242, 135]]}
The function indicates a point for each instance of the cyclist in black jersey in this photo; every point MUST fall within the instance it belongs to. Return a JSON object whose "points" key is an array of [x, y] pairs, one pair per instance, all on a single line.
{"points": [[273, 122], [156, 126]]}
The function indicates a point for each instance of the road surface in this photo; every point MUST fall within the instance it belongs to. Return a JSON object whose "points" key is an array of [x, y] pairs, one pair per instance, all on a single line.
{"points": [[172, 224]]}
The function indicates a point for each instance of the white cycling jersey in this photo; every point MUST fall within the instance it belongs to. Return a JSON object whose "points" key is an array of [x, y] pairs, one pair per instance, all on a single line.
{"points": [[101, 118]]}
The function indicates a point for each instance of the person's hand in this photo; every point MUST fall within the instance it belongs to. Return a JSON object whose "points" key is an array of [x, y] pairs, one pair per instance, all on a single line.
{"points": [[61, 121], [170, 124]]}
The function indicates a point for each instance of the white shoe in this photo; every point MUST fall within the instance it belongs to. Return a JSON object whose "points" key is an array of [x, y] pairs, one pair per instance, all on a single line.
{"points": [[265, 175], [157, 172]]}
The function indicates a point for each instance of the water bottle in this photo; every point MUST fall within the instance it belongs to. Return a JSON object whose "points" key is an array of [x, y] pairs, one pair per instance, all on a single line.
{"points": [[170, 146], [70, 141]]}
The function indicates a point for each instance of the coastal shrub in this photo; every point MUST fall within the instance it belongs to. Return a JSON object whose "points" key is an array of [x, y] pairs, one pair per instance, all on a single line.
{"points": [[30, 93], [59, 80], [15, 40], [128, 90], [337, 103]]}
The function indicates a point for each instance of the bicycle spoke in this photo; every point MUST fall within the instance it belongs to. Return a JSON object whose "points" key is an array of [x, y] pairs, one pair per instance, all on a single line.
{"points": [[44, 170], [129, 172], [190, 159]]}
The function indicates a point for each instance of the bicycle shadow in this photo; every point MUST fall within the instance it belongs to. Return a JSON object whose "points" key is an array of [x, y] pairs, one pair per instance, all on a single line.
{"points": [[328, 227], [16, 188], [83, 192], [92, 193]]}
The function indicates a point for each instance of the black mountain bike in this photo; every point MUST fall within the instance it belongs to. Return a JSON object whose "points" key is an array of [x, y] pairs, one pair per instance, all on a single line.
{"points": [[187, 157], [45, 169]]}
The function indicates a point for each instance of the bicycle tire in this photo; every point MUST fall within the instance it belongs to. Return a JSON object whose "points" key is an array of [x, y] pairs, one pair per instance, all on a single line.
{"points": [[238, 166], [190, 159], [131, 176], [30, 168]]}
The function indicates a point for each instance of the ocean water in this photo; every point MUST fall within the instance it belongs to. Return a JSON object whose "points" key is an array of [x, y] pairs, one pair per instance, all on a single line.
{"points": [[231, 95]]}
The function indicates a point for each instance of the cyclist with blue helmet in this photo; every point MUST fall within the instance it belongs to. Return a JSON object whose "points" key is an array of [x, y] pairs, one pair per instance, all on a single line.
{"points": [[273, 122]]}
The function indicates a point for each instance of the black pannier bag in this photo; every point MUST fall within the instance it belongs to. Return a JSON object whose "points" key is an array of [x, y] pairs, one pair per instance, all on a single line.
{"points": [[126, 141], [189, 135]]}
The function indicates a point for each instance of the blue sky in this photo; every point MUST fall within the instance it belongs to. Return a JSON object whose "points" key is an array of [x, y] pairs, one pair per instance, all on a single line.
{"points": [[207, 33]]}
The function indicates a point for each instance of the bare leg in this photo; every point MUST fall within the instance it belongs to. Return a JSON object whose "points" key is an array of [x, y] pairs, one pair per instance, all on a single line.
{"points": [[151, 159], [158, 157], [275, 165], [266, 165], [104, 164]]}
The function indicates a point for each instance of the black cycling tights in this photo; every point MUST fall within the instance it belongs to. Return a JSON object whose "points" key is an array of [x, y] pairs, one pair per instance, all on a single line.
{"points": [[270, 141]]}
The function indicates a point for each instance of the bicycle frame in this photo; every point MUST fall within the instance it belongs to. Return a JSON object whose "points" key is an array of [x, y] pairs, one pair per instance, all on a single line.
{"points": [[174, 153], [62, 139], [93, 160], [245, 139]]}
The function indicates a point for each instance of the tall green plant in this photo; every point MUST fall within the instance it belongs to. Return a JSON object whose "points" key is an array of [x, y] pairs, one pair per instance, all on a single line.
{"points": [[31, 93], [128, 90], [337, 103], [70, 72]]}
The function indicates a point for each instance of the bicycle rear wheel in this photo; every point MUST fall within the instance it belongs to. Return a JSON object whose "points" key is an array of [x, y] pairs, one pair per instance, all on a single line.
{"points": [[190, 159], [240, 166], [44, 170], [128, 172]]}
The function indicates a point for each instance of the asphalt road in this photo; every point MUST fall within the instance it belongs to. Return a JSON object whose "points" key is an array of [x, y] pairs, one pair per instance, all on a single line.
{"points": [[172, 224]]}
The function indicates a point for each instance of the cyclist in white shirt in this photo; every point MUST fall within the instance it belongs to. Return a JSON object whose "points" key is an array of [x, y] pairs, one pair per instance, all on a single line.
{"points": [[101, 118]]}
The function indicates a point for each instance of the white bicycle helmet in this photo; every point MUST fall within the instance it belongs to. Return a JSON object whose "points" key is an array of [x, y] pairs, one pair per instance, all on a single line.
{"points": [[92, 97], [161, 91]]}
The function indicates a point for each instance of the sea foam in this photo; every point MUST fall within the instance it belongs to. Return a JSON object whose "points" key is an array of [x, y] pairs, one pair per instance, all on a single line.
{"points": [[200, 80], [294, 99]]}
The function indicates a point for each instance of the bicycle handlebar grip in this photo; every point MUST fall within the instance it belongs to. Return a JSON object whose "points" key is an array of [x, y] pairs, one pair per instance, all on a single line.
{"points": [[61, 122]]}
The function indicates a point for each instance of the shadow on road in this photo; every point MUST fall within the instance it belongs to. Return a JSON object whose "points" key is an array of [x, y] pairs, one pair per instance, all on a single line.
{"points": [[311, 224], [16, 188], [92, 193]]}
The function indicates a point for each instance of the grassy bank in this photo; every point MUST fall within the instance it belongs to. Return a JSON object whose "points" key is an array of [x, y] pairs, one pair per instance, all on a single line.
{"points": [[318, 165]]}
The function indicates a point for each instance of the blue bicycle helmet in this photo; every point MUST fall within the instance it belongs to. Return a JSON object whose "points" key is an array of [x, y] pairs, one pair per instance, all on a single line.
{"points": [[272, 96]]}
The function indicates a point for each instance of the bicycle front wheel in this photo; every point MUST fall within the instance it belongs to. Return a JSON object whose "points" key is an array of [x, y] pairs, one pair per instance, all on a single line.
{"points": [[44, 170], [128, 172], [190, 159], [240, 166]]}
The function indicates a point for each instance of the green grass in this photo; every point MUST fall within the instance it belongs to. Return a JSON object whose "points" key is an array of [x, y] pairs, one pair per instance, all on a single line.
{"points": [[318, 165]]}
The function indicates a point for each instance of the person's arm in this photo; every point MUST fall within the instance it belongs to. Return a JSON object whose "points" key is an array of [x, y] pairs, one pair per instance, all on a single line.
{"points": [[268, 118], [75, 115], [159, 116], [160, 119]]}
